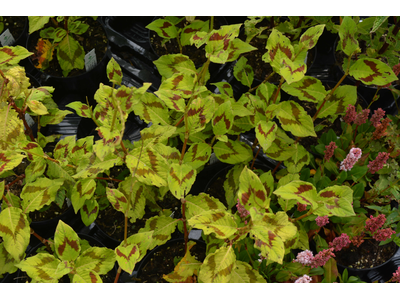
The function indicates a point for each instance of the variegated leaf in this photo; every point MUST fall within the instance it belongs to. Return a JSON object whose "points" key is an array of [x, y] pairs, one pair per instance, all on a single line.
{"points": [[296, 162], [339, 101], [161, 227], [15, 231], [279, 48], [372, 71], [244, 273], [127, 256], [164, 28], [70, 55], [9, 160], [96, 259], [217, 267], [347, 32], [13, 55], [270, 232], [66, 242], [37, 194], [118, 200], [83, 190], [310, 37], [243, 72], [81, 109], [299, 191], [180, 179], [336, 201], [114, 72], [11, 128], [44, 267], [251, 191], [35, 169], [224, 88], [96, 168], [7, 262], [198, 155], [307, 89], [231, 185], [137, 193], [170, 64], [265, 133], [152, 109], [282, 147], [203, 202], [219, 222], [86, 276], [199, 113], [89, 211], [232, 152], [223, 118]]}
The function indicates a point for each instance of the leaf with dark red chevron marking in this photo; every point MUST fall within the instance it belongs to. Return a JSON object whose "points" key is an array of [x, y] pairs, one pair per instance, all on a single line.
{"points": [[180, 179], [66, 242], [114, 72], [372, 71]]}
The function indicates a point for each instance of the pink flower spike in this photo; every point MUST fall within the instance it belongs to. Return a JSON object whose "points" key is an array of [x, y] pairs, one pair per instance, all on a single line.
{"points": [[378, 162], [304, 279], [243, 212], [350, 114], [322, 221], [340, 242], [350, 160], [322, 257], [362, 117], [377, 116], [373, 224], [383, 234], [396, 276], [305, 257], [330, 149]]}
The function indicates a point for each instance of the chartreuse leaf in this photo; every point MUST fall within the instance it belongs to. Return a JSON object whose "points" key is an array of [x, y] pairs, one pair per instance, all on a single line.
{"points": [[11, 128], [86, 276], [192, 28], [372, 71], [35, 169], [339, 101], [282, 147], [89, 211], [127, 256], [143, 240], [36, 23], [218, 266], [9, 160], [244, 273], [293, 71], [270, 232], [66, 242], [231, 185], [13, 55], [347, 32], [299, 191], [44, 267], [180, 179], [170, 64], [310, 38], [243, 72], [232, 152], [223, 118], [161, 227], [296, 162], [98, 167], [224, 88], [135, 192], [203, 202], [7, 262], [99, 260], [163, 28], [32, 149], [83, 190], [198, 155], [295, 119], [37, 194], [218, 221], [265, 133], [336, 201], [81, 109], [307, 89], [279, 48], [152, 109], [15, 231], [251, 191], [118, 200], [114, 72], [188, 266], [70, 55], [199, 113]]}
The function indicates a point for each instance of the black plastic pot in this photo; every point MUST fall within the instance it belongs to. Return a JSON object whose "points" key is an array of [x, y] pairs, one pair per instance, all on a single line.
{"points": [[381, 273], [92, 241], [21, 38], [140, 265]]}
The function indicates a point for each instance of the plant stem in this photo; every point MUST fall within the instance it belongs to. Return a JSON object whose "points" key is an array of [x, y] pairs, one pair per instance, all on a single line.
{"points": [[278, 90], [265, 80], [22, 176], [118, 273], [185, 231], [302, 216], [42, 240]]}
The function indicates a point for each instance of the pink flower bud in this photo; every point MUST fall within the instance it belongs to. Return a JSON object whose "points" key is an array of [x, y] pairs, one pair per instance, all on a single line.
{"points": [[362, 117], [373, 224], [305, 257], [351, 158], [378, 162], [322, 221], [330, 149], [383, 234], [350, 114], [340, 242], [304, 279], [377, 116]]}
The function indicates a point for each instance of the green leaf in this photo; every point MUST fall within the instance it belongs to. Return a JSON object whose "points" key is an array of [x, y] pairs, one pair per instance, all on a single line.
{"points": [[339, 101], [118, 200], [307, 89], [377, 23], [66, 242], [251, 191], [300, 158], [203, 202], [114, 72], [11, 128], [243, 72], [13, 55], [97, 259], [223, 118], [82, 110], [161, 227], [232, 152], [219, 222], [44, 267], [279, 49], [180, 179], [163, 28], [36, 23], [83, 190], [86, 276], [127, 256], [372, 71], [89, 211], [70, 55], [35, 169], [15, 231], [37, 194], [244, 273], [300, 191], [218, 266], [9, 160], [310, 38], [347, 32], [7, 262], [198, 155], [152, 109]]}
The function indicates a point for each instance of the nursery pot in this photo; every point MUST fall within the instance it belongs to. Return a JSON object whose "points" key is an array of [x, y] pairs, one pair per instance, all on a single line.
{"points": [[92, 241], [14, 37], [73, 88], [382, 272], [160, 261]]}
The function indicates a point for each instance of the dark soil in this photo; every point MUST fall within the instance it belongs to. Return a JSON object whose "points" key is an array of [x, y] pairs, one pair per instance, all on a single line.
{"points": [[197, 55], [163, 261], [95, 37], [15, 25], [368, 255]]}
